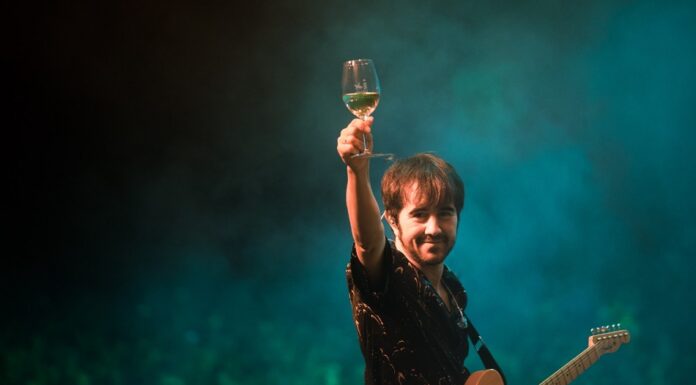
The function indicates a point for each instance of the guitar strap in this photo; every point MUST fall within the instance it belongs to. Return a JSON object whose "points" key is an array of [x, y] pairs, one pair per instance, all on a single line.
{"points": [[481, 348]]}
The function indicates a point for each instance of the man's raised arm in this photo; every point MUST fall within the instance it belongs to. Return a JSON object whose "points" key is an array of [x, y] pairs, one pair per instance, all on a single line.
{"points": [[363, 211]]}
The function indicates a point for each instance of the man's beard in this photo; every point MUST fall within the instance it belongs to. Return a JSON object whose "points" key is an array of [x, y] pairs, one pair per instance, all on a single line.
{"points": [[443, 243]]}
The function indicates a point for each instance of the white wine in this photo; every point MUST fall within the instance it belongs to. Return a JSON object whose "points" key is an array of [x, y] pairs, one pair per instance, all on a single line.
{"points": [[361, 104]]}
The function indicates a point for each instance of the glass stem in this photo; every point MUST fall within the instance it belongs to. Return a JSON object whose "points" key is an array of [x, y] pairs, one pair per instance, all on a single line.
{"points": [[364, 151]]}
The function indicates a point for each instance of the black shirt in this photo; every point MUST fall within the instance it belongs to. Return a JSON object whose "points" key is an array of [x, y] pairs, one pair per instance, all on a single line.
{"points": [[406, 333]]}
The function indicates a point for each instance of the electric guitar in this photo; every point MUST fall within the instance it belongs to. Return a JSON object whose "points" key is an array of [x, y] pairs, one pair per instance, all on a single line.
{"points": [[605, 339]]}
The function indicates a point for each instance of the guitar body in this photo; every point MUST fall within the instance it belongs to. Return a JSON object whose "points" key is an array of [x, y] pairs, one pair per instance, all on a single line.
{"points": [[484, 377]]}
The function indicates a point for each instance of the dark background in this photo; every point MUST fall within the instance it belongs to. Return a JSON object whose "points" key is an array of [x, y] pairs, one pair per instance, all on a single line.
{"points": [[177, 205]]}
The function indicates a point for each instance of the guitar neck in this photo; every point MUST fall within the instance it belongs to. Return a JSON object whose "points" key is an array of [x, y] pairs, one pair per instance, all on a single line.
{"points": [[605, 339], [573, 369]]}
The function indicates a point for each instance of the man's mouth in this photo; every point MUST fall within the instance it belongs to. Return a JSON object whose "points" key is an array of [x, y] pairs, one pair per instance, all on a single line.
{"points": [[433, 240]]}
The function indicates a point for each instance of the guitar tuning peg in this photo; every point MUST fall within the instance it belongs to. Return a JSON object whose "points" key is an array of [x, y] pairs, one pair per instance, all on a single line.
{"points": [[592, 331], [618, 326]]}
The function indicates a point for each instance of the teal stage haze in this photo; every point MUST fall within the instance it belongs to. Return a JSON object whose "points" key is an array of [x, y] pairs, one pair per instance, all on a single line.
{"points": [[191, 202]]}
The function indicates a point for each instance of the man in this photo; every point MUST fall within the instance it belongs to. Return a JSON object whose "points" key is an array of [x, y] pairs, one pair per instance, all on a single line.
{"points": [[407, 306]]}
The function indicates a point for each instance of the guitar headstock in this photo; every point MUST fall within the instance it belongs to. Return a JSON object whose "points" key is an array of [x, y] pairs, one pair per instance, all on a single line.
{"points": [[609, 338]]}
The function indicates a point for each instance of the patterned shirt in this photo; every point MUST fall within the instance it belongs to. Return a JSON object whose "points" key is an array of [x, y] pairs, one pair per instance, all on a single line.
{"points": [[407, 334]]}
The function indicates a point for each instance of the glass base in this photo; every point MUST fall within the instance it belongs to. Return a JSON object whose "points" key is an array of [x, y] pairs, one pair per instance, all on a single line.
{"points": [[369, 155]]}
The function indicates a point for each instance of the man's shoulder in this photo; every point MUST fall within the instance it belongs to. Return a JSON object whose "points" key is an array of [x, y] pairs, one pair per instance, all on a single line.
{"points": [[357, 274], [397, 257], [449, 275]]}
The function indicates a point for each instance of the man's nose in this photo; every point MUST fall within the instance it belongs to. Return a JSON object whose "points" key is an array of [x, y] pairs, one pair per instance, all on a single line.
{"points": [[432, 226]]}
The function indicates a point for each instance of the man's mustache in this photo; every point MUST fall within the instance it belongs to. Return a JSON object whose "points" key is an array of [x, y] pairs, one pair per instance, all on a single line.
{"points": [[432, 238]]}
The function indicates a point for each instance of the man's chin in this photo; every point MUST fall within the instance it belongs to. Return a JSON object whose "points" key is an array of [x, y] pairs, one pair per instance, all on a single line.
{"points": [[433, 260], [434, 255]]}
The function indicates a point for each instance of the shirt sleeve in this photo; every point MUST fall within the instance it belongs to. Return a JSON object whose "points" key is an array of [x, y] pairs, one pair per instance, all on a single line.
{"points": [[358, 282]]}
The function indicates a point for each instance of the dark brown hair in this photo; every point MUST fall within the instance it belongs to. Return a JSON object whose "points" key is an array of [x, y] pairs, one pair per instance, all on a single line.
{"points": [[436, 179]]}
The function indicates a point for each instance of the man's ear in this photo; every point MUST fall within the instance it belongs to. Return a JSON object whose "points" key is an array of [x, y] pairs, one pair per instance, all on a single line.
{"points": [[392, 223]]}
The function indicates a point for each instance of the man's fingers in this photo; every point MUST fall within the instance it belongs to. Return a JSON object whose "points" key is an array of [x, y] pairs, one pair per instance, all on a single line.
{"points": [[357, 132], [354, 138], [356, 142], [350, 134], [349, 145], [368, 123], [365, 125], [360, 125]]}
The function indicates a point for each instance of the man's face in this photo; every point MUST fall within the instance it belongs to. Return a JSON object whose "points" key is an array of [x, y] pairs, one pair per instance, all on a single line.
{"points": [[426, 230]]}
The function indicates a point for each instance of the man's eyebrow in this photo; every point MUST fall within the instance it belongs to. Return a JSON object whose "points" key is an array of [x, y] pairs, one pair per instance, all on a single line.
{"points": [[427, 206], [419, 208]]}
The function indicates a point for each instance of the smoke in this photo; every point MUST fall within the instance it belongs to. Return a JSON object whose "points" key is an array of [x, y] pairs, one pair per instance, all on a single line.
{"points": [[192, 166]]}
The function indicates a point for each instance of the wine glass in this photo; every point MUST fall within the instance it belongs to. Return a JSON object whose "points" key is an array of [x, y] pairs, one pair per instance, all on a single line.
{"points": [[361, 92]]}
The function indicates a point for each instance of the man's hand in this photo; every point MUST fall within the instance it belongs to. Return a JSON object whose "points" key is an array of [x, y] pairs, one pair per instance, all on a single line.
{"points": [[351, 142]]}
